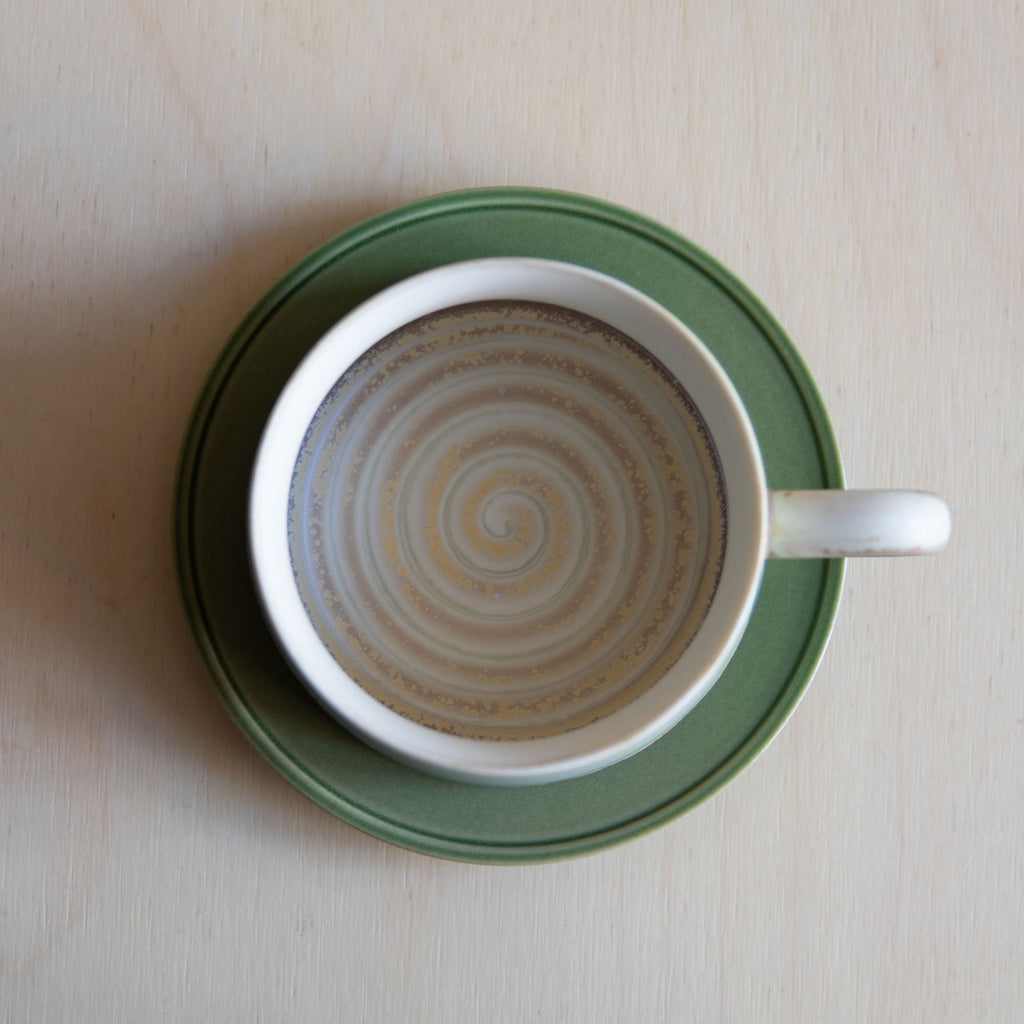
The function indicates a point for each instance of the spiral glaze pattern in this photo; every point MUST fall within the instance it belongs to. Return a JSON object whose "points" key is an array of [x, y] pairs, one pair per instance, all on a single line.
{"points": [[507, 520]]}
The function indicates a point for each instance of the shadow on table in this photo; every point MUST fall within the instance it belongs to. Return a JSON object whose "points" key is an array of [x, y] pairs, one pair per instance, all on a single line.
{"points": [[94, 402]]}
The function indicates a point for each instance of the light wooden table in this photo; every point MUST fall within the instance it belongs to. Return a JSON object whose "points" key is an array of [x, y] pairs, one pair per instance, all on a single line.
{"points": [[860, 166]]}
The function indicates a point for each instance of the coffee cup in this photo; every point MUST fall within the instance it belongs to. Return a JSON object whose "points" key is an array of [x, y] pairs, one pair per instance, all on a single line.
{"points": [[508, 520]]}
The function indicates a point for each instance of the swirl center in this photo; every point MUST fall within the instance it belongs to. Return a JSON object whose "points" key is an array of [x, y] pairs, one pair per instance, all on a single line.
{"points": [[508, 520]]}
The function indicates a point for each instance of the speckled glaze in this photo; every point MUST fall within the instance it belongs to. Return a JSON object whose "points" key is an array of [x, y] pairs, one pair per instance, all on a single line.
{"points": [[507, 520]]}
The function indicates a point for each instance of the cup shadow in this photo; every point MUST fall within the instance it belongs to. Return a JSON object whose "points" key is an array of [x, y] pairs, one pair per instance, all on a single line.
{"points": [[94, 406]]}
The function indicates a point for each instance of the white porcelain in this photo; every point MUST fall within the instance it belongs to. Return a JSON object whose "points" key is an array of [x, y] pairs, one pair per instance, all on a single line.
{"points": [[760, 525]]}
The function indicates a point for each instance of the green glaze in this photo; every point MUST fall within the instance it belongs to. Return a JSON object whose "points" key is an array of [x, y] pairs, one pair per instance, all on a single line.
{"points": [[783, 643]]}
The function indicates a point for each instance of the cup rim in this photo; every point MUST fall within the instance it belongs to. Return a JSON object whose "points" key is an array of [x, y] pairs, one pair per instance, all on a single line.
{"points": [[617, 735]]}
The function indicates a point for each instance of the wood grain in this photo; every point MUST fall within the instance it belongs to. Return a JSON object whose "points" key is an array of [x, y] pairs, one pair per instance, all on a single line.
{"points": [[161, 164]]}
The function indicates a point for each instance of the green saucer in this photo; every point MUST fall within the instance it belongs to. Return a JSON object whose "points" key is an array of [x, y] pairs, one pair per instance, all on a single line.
{"points": [[783, 643]]}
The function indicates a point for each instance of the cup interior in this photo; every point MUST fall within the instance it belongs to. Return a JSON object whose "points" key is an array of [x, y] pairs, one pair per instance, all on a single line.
{"points": [[507, 520]]}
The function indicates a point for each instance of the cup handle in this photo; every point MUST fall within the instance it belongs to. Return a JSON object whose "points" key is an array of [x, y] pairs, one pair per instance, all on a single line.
{"points": [[841, 523]]}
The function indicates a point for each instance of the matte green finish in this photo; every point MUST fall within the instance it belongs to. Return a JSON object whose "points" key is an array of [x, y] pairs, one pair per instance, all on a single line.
{"points": [[779, 653]]}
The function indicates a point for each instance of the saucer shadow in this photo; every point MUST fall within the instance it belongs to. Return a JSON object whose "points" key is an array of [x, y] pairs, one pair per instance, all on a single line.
{"points": [[94, 405]]}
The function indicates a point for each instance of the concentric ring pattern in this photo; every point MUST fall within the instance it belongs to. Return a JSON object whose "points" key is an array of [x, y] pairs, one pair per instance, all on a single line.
{"points": [[507, 520]]}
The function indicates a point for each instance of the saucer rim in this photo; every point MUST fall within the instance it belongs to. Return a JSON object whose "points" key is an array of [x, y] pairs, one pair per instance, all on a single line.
{"points": [[283, 759]]}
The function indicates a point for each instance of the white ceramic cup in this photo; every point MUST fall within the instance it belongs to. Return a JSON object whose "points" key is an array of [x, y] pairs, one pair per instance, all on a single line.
{"points": [[538, 525]]}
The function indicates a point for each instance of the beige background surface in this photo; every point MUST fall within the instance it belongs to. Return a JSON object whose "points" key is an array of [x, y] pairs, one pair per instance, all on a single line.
{"points": [[859, 165]]}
